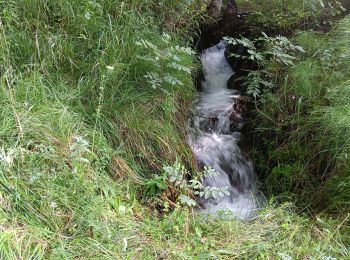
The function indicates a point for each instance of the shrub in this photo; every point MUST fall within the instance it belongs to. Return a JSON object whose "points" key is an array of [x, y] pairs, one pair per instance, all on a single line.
{"points": [[310, 122]]}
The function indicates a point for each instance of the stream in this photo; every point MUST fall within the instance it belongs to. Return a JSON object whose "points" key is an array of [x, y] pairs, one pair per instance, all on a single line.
{"points": [[214, 138]]}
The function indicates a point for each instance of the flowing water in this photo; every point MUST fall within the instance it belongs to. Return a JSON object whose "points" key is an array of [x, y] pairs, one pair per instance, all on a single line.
{"points": [[214, 138]]}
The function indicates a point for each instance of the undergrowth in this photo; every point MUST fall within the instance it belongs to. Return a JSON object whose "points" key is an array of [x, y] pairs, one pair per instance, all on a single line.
{"points": [[285, 16], [304, 126]]}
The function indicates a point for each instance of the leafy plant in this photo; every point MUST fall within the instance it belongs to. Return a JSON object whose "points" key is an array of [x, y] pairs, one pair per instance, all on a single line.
{"points": [[271, 50], [154, 186], [79, 147], [256, 80], [177, 174], [279, 49], [163, 55]]}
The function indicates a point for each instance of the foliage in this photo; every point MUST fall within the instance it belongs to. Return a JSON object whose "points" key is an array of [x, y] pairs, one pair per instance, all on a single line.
{"points": [[78, 148], [271, 50], [177, 59], [76, 115], [176, 175], [305, 125], [88, 52]]}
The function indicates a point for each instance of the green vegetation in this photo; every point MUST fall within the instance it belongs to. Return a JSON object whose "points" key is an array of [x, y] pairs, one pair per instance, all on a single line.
{"points": [[287, 15], [304, 126], [94, 100], [267, 54]]}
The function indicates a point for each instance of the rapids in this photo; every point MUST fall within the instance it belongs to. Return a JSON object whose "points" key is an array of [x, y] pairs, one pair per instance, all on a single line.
{"points": [[214, 138]]}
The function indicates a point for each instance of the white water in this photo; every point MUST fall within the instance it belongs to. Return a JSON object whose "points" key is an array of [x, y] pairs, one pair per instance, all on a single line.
{"points": [[214, 141]]}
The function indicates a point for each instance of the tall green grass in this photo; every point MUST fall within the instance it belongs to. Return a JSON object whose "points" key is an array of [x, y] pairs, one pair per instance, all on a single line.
{"points": [[87, 55], [308, 126], [70, 70], [279, 16]]}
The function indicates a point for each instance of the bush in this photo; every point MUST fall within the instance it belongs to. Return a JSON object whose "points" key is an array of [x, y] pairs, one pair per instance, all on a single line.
{"points": [[311, 122]]}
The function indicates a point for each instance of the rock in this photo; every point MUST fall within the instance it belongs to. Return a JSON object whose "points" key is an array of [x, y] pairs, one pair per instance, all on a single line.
{"points": [[214, 9], [224, 21]]}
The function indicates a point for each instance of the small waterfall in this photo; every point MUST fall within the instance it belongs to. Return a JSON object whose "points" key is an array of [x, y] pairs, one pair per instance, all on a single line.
{"points": [[214, 138]]}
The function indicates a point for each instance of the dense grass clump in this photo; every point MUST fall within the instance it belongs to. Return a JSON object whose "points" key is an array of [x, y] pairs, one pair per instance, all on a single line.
{"points": [[87, 56], [285, 16], [305, 126]]}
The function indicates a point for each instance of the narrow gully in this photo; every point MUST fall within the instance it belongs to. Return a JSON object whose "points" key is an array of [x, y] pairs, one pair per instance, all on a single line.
{"points": [[214, 135]]}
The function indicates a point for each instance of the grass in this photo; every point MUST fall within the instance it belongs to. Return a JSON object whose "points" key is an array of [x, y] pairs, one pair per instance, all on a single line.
{"points": [[82, 128], [72, 46], [308, 122], [277, 16]]}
